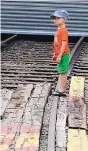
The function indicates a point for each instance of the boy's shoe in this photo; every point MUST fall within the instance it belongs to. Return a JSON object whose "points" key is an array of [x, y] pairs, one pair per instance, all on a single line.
{"points": [[57, 93]]}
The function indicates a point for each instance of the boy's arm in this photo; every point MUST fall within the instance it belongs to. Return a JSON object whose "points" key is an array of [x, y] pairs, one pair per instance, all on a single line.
{"points": [[64, 43]]}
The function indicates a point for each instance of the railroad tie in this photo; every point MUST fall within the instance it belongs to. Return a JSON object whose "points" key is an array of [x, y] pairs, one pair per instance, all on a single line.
{"points": [[13, 114], [61, 125], [22, 121], [32, 119], [77, 136], [5, 100]]}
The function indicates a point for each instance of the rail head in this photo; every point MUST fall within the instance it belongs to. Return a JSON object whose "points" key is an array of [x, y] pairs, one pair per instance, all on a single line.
{"points": [[8, 39], [75, 52]]}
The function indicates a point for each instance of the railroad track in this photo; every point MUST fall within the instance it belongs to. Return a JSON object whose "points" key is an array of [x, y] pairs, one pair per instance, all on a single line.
{"points": [[78, 67], [27, 62]]}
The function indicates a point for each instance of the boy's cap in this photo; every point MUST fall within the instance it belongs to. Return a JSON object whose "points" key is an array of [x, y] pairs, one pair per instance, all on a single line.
{"points": [[60, 13]]}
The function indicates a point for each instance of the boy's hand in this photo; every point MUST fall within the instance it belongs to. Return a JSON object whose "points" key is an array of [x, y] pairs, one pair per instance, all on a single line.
{"points": [[58, 60], [54, 58]]}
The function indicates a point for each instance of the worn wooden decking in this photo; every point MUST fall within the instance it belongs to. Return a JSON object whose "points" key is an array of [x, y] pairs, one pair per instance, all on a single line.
{"points": [[21, 124]]}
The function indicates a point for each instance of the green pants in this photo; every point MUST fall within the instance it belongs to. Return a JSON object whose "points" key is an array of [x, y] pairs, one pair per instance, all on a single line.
{"points": [[63, 66]]}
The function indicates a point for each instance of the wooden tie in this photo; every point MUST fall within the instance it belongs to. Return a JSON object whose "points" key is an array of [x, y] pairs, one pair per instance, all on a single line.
{"points": [[77, 136]]}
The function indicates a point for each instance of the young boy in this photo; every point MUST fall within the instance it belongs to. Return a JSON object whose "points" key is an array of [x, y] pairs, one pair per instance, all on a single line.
{"points": [[61, 50]]}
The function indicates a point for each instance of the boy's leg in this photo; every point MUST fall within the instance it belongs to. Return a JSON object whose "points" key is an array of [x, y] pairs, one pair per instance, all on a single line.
{"points": [[62, 68], [62, 82]]}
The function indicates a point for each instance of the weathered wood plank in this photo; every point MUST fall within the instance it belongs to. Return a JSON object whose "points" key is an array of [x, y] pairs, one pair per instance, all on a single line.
{"points": [[41, 90], [77, 86], [77, 137], [87, 115], [77, 140], [13, 115], [77, 108], [32, 120], [5, 100], [51, 133], [61, 125], [60, 149], [77, 114]]}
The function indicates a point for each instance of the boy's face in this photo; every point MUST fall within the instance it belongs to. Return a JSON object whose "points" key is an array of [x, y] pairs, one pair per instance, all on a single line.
{"points": [[59, 21]]}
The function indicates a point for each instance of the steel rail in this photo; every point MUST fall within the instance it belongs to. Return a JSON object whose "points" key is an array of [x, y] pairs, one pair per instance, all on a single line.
{"points": [[8, 39], [75, 52]]}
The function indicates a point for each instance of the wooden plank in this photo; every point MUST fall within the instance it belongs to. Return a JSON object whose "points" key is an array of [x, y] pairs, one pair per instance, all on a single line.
{"points": [[60, 149], [52, 124], [87, 115], [77, 108], [32, 120], [77, 86], [77, 113], [61, 125], [77, 140], [5, 100], [13, 115], [77, 136], [51, 133]]}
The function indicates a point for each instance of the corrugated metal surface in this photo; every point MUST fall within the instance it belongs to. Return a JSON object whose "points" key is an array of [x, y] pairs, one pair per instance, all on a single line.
{"points": [[32, 17]]}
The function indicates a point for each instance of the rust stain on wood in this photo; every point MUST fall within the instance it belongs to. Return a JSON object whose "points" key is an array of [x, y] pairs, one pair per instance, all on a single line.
{"points": [[77, 138]]}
